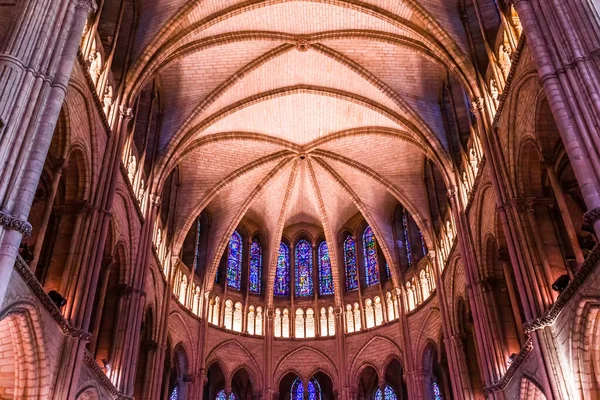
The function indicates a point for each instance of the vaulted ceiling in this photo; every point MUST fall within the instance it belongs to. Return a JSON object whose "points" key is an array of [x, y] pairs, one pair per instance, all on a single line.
{"points": [[312, 111]]}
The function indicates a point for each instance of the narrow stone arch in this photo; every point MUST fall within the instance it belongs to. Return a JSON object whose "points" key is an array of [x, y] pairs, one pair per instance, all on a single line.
{"points": [[25, 371], [530, 390]]}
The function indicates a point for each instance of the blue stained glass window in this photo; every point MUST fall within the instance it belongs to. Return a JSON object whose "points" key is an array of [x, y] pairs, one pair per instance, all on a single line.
{"points": [[390, 394], [406, 238], [304, 268], [255, 267], [221, 395], [387, 270], [234, 262], [437, 394], [314, 390], [370, 253], [282, 272], [174, 394], [350, 264], [423, 245], [325, 274]]}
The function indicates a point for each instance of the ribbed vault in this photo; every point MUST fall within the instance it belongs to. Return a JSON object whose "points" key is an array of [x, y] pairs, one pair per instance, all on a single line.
{"points": [[309, 112]]}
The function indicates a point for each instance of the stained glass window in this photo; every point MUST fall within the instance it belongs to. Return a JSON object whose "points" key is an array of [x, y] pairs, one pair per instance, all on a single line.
{"points": [[282, 272], [406, 238], [304, 267], [314, 390], [390, 394], [350, 264], [325, 275], [387, 270], [174, 394], [423, 245], [255, 267], [234, 262], [221, 395], [370, 253], [437, 394]]}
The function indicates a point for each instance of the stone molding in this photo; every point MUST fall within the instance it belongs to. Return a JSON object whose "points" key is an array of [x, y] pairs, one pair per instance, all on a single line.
{"points": [[514, 366], [563, 299], [507, 86], [104, 381], [15, 224], [32, 282]]}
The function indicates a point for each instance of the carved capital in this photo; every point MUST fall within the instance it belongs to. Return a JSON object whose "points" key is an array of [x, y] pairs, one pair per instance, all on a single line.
{"points": [[88, 5], [15, 224], [590, 217], [477, 105], [125, 112]]}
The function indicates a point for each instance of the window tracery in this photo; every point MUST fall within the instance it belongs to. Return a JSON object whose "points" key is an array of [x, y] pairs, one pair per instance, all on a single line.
{"points": [[314, 390], [325, 273], [303, 268], [390, 394], [350, 264], [370, 254], [282, 272], [255, 275], [234, 262]]}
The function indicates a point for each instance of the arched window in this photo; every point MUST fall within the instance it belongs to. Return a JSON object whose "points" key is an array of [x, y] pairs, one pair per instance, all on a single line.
{"points": [[255, 267], [369, 314], [437, 393], [259, 321], [370, 253], [331, 320], [350, 264], [285, 323], [251, 317], [314, 390], [234, 262], [282, 272], [378, 311], [357, 321], [349, 319], [310, 323], [228, 321], [277, 323], [222, 396], [237, 317], [304, 267], [323, 321], [390, 307], [216, 311], [407, 238], [390, 394], [299, 323], [325, 275]]}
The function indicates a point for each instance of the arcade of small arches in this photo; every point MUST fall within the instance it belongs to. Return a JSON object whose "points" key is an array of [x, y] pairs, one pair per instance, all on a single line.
{"points": [[299, 200]]}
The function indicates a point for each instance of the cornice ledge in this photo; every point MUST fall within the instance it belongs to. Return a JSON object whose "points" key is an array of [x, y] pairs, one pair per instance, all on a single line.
{"points": [[33, 284], [559, 305]]}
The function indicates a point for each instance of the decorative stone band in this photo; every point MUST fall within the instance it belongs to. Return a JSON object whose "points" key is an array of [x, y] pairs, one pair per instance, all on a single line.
{"points": [[580, 276], [104, 381], [509, 79], [15, 224], [590, 217], [32, 282], [514, 366]]}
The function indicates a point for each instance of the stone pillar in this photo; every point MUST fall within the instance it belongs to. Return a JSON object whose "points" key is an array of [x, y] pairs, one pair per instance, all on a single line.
{"points": [[32, 90], [41, 233], [563, 48]]}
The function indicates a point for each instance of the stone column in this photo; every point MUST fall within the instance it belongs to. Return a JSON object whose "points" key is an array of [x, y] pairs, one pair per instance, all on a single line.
{"points": [[563, 38], [564, 211], [32, 90]]}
